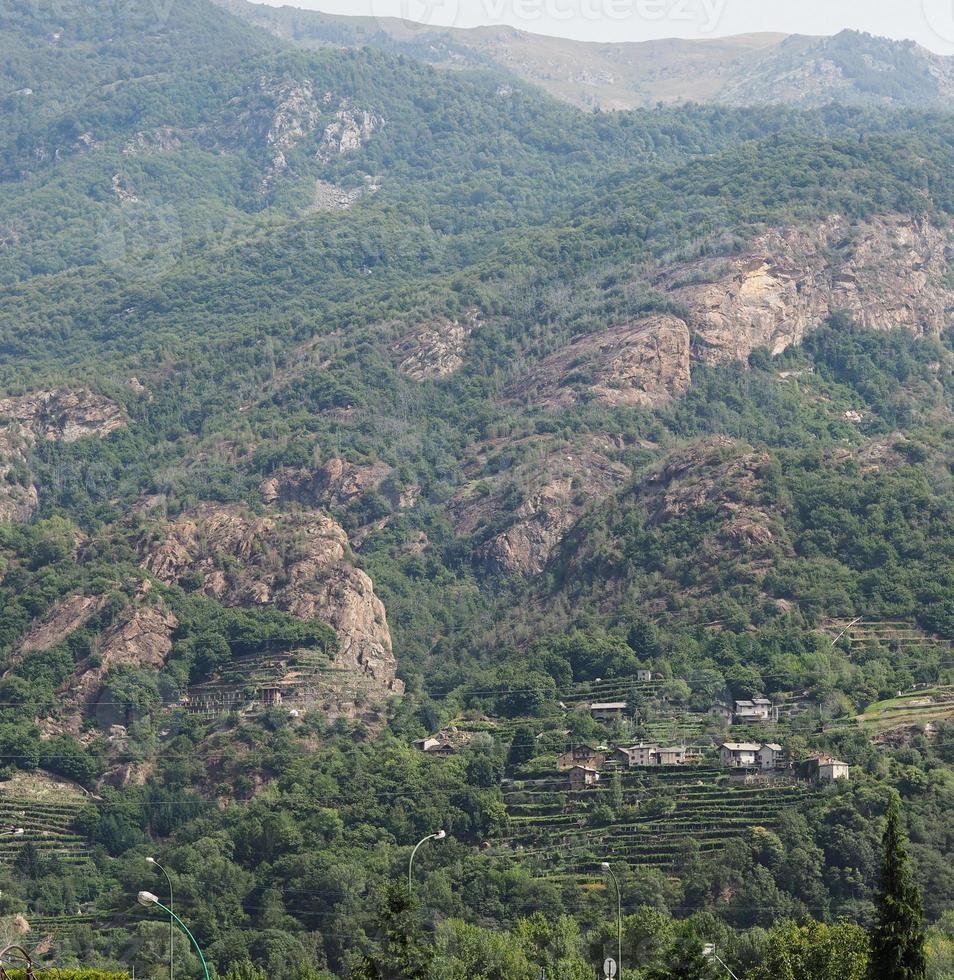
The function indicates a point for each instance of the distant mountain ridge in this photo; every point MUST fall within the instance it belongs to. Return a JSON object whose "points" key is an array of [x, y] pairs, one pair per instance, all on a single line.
{"points": [[749, 69]]}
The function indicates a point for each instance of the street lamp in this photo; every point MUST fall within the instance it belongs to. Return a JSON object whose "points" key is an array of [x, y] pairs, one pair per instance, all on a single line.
{"points": [[709, 951], [16, 832], [172, 925], [619, 917], [440, 835], [148, 899]]}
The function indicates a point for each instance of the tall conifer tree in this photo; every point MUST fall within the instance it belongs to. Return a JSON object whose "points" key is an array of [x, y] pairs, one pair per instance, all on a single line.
{"points": [[897, 941]]}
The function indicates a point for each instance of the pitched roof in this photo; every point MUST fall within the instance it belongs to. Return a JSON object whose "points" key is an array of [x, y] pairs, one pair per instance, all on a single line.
{"points": [[774, 746], [741, 746]]}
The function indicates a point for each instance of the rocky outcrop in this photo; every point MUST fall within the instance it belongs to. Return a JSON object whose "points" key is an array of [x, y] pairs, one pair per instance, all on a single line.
{"points": [[63, 416], [163, 139], [550, 494], [887, 272], [331, 197], [297, 562], [643, 363], [435, 349], [336, 483], [65, 618], [351, 128], [141, 637], [721, 479], [56, 416]]}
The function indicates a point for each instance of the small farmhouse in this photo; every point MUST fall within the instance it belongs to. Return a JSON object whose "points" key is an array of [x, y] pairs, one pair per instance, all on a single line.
{"points": [[435, 746], [632, 756], [582, 776], [644, 675], [672, 756], [738, 755], [756, 710], [649, 754], [769, 756], [581, 755], [608, 710], [824, 769], [831, 770], [721, 710]]}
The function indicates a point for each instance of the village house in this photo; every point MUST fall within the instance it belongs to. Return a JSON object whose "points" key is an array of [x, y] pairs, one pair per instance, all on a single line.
{"points": [[636, 755], [581, 755], [824, 769], [769, 756], [583, 776], [650, 754], [445, 743], [831, 770], [672, 756], [644, 675], [738, 755], [721, 710], [435, 746], [756, 710], [608, 710]]}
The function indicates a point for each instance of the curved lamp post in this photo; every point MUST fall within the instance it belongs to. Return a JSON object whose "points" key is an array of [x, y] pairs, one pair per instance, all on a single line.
{"points": [[605, 866], [709, 951], [172, 922], [147, 899], [440, 835], [16, 832]]}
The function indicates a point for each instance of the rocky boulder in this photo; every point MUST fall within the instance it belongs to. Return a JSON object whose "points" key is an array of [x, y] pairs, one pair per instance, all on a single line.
{"points": [[435, 349], [643, 363]]}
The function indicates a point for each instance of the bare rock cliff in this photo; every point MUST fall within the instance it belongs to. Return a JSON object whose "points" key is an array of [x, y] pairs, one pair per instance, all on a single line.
{"points": [[641, 363], [296, 561], [887, 272], [552, 493], [56, 416], [435, 349]]}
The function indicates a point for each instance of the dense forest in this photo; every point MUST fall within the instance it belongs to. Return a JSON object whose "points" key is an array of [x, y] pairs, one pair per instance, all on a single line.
{"points": [[348, 403]]}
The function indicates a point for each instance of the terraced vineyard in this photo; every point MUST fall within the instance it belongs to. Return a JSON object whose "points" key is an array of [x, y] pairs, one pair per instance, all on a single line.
{"points": [[896, 635], [915, 708], [559, 833], [48, 826]]}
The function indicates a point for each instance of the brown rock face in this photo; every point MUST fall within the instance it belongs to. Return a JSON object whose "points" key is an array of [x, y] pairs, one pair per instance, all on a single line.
{"points": [[66, 617], [642, 363], [295, 561], [435, 349], [60, 416], [142, 637], [888, 272], [335, 483], [722, 477], [553, 492]]}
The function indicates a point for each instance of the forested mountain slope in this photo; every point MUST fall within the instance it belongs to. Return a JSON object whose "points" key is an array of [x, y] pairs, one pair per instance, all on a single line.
{"points": [[345, 401]]}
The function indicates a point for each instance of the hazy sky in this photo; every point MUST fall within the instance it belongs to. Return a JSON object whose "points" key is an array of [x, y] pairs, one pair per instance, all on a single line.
{"points": [[931, 22]]}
